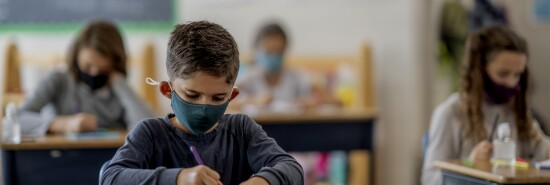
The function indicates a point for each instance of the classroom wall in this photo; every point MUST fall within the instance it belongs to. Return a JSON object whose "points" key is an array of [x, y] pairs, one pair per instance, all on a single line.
{"points": [[538, 38], [395, 29]]}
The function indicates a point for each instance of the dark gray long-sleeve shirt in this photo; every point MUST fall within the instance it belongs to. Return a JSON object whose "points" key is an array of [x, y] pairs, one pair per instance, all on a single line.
{"points": [[58, 93], [155, 152]]}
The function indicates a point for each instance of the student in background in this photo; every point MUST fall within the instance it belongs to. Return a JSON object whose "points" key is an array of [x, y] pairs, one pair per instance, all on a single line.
{"points": [[92, 93], [494, 81], [268, 82], [202, 65]]}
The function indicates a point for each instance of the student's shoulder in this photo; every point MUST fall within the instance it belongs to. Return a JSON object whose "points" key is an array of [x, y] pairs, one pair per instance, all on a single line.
{"points": [[447, 113], [450, 106], [238, 119], [149, 126], [240, 123], [56, 76], [296, 75]]}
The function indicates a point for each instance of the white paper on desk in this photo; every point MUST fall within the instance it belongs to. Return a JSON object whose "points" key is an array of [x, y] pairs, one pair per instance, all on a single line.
{"points": [[30, 137], [284, 107], [543, 164]]}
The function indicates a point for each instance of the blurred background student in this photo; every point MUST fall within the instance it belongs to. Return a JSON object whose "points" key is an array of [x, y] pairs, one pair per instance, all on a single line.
{"points": [[495, 84], [267, 84], [91, 93]]}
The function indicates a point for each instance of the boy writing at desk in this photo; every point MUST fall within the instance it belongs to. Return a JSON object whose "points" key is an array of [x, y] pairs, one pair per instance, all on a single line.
{"points": [[202, 63]]}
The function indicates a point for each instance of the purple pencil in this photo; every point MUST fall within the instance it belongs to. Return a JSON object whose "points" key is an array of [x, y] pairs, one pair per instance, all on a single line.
{"points": [[196, 155]]}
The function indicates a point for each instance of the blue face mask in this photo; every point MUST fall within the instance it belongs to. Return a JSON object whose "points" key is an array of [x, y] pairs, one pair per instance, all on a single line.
{"points": [[269, 62], [198, 118]]}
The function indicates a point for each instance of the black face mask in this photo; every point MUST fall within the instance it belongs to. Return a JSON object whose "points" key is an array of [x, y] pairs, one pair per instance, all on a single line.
{"points": [[499, 94], [94, 82]]}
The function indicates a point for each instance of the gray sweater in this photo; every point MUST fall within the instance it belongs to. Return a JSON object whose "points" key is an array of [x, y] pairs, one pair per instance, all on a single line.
{"points": [[447, 140], [155, 152], [115, 106]]}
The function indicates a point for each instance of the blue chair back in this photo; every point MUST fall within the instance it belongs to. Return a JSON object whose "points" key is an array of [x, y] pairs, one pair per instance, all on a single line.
{"points": [[425, 142]]}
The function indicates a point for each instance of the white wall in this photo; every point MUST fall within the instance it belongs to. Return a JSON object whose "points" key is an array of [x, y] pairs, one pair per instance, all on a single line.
{"points": [[394, 28], [537, 35]]}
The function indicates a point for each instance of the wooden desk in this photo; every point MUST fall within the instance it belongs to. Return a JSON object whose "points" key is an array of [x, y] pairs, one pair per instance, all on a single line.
{"points": [[317, 116], [58, 160], [55, 159], [62, 142], [457, 172], [314, 131], [327, 131]]}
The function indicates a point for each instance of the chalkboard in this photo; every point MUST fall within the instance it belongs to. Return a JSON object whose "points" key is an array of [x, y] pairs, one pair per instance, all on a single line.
{"points": [[68, 13], [541, 10]]}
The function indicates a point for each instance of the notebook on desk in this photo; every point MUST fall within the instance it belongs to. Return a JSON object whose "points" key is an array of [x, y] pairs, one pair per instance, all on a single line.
{"points": [[97, 135]]}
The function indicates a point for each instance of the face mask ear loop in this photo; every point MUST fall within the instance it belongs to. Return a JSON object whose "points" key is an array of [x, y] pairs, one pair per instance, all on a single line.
{"points": [[150, 81]]}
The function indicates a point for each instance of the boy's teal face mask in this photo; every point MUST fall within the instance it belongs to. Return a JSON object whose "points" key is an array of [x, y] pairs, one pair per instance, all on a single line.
{"points": [[198, 118]]}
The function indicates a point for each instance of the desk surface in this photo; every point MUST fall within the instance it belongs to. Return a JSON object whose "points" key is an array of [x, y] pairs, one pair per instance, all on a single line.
{"points": [[484, 170], [314, 116], [62, 142]]}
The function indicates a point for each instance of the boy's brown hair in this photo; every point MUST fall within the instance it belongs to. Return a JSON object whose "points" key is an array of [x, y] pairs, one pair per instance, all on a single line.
{"points": [[202, 46]]}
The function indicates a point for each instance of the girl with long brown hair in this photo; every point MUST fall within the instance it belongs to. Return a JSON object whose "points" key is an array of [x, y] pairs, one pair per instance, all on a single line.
{"points": [[92, 93], [495, 84]]}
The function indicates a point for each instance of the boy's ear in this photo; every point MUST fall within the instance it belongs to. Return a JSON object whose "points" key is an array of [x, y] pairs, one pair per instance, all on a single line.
{"points": [[165, 89], [235, 92]]}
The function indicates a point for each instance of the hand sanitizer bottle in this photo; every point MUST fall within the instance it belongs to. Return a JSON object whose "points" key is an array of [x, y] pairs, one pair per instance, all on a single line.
{"points": [[11, 129], [504, 147]]}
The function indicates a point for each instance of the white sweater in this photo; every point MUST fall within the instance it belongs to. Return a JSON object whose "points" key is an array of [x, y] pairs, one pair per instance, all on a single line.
{"points": [[447, 136]]}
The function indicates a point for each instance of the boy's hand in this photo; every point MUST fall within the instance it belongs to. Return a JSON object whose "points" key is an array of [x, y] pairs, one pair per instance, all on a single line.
{"points": [[255, 181], [482, 151], [198, 175]]}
